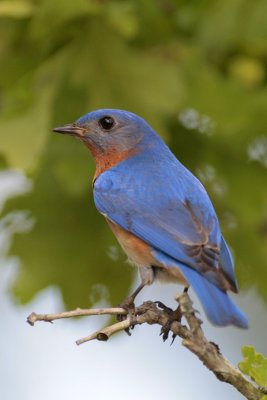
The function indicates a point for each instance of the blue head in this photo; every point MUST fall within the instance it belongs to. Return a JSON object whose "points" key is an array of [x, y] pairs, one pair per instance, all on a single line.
{"points": [[110, 129]]}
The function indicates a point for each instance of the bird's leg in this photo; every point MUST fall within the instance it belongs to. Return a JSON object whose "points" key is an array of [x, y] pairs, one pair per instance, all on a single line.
{"points": [[129, 306], [128, 303]]}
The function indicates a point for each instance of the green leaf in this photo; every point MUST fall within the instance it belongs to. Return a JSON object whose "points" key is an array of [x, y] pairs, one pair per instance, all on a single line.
{"points": [[16, 9], [50, 16], [30, 141], [123, 17], [254, 365]]}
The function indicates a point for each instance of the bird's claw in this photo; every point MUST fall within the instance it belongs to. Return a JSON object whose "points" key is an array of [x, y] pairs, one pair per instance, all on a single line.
{"points": [[163, 307], [165, 330], [174, 315]]}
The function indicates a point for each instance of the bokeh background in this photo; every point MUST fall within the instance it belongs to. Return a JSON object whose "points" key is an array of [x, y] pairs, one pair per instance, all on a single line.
{"points": [[196, 71]]}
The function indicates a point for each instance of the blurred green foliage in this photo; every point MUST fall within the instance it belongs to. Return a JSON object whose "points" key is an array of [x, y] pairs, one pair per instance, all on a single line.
{"points": [[255, 366], [196, 70]]}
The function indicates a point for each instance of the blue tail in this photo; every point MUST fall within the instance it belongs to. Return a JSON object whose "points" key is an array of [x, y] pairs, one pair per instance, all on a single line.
{"points": [[218, 306]]}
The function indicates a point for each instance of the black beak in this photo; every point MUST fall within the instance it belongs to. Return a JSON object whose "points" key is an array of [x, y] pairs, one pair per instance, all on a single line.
{"points": [[70, 129]]}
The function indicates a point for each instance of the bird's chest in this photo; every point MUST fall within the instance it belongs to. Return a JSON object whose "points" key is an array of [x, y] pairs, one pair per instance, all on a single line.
{"points": [[136, 249]]}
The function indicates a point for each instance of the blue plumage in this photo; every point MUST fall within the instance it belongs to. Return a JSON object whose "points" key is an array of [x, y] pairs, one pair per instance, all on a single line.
{"points": [[144, 191], [219, 308]]}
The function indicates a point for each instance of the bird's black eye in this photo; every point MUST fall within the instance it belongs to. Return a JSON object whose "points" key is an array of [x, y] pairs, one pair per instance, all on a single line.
{"points": [[107, 123]]}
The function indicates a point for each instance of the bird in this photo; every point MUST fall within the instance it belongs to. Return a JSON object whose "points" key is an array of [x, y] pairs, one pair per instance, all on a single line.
{"points": [[158, 210]]}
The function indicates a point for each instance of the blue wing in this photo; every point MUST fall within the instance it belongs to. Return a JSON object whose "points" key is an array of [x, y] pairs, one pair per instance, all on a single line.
{"points": [[161, 202]]}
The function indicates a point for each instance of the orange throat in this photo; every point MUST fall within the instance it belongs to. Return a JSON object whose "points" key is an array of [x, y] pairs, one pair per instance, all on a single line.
{"points": [[109, 158]]}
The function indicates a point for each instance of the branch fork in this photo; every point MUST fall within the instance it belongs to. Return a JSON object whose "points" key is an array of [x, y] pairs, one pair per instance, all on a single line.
{"points": [[191, 333]]}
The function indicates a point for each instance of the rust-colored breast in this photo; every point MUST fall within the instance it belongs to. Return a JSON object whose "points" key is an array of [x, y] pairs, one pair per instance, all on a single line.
{"points": [[140, 253], [136, 249]]}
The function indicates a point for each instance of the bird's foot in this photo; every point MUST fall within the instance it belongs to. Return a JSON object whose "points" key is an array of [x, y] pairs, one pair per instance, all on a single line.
{"points": [[174, 316], [129, 306]]}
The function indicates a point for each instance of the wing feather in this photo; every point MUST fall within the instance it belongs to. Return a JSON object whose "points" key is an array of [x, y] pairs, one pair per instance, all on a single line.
{"points": [[167, 207]]}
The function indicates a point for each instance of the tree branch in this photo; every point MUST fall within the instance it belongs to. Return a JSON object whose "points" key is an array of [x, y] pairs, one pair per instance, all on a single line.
{"points": [[192, 336]]}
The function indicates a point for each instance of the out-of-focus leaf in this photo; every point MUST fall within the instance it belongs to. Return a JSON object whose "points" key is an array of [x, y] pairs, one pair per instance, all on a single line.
{"points": [[16, 9], [123, 17], [30, 141], [53, 15], [248, 71], [25, 122]]}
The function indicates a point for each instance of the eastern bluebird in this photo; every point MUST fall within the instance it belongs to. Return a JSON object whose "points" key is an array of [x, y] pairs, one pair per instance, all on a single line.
{"points": [[158, 210]]}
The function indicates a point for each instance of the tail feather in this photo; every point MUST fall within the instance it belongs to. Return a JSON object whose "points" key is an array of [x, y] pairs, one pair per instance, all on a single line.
{"points": [[218, 306]]}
